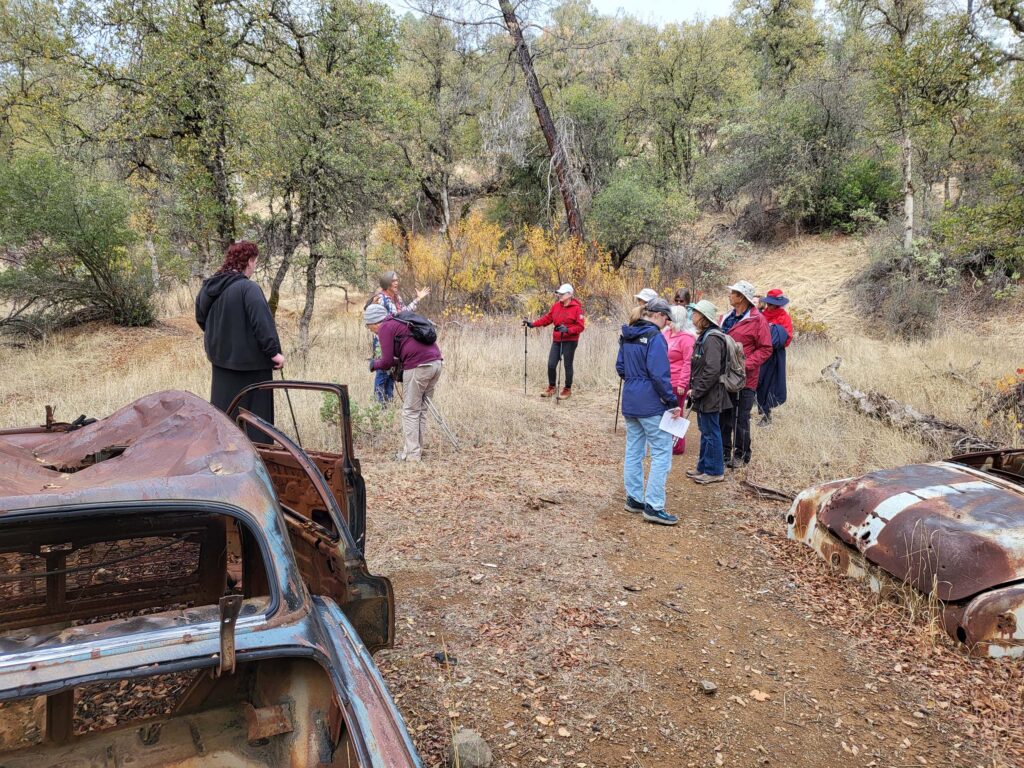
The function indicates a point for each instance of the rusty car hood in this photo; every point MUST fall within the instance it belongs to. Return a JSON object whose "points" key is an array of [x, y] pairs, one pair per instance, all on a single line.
{"points": [[175, 446], [942, 527]]}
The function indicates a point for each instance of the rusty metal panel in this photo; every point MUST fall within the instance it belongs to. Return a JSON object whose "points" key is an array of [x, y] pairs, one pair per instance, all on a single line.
{"points": [[940, 527], [170, 445], [948, 530], [267, 722]]}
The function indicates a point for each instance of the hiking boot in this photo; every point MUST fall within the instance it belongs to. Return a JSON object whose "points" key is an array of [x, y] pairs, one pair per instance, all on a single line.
{"points": [[565, 394], [549, 392], [632, 505], [706, 479], [692, 473], [659, 516]]}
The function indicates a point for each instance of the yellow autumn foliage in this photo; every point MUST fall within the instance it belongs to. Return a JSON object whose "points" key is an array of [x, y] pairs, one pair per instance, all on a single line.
{"points": [[478, 266]]}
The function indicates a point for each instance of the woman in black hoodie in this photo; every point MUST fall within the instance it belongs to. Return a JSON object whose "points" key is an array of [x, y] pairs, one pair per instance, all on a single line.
{"points": [[238, 332]]}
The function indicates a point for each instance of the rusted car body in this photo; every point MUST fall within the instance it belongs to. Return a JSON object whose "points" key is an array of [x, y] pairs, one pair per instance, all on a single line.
{"points": [[173, 594], [953, 530]]}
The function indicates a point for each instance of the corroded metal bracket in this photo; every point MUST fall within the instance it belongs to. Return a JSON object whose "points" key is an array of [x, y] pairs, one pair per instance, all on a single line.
{"points": [[230, 607]]}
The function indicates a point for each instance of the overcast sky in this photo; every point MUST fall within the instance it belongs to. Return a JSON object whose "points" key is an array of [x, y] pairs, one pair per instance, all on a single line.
{"points": [[655, 11], [661, 11]]}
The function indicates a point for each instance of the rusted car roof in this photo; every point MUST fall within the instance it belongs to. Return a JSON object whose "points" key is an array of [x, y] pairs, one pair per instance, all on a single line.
{"points": [[175, 446], [940, 527], [952, 529]]}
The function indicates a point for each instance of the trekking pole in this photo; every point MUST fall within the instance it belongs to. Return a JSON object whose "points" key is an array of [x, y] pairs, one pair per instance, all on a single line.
{"points": [[441, 422], [558, 371], [288, 397], [526, 331], [618, 402]]}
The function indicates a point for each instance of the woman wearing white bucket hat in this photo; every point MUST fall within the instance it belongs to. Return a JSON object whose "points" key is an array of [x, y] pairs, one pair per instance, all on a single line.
{"points": [[749, 328], [707, 394]]}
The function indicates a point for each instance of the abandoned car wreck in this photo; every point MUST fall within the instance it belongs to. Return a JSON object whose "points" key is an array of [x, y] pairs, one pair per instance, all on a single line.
{"points": [[952, 530], [173, 594]]}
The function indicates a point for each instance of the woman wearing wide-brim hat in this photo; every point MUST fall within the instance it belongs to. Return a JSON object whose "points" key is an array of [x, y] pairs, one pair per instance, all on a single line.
{"points": [[708, 395], [771, 383]]}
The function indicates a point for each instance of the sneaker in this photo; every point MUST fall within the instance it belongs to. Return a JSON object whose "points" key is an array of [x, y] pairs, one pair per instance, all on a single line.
{"points": [[697, 478], [705, 479], [548, 392], [565, 394], [632, 505], [659, 516], [765, 421], [692, 473]]}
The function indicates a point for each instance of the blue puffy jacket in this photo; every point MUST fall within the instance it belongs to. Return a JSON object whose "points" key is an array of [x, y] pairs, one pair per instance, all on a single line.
{"points": [[643, 364]]}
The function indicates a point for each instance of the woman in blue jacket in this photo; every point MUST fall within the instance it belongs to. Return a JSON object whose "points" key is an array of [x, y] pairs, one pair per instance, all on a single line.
{"points": [[646, 394]]}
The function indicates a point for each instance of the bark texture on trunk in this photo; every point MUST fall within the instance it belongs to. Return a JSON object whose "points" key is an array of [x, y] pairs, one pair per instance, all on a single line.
{"points": [[307, 310], [908, 192], [547, 126]]}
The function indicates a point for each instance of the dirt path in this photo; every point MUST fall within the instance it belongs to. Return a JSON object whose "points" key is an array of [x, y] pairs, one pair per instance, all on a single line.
{"points": [[582, 633], [714, 604]]}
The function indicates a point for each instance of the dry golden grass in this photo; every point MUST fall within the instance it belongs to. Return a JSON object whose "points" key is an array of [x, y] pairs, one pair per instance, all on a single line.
{"points": [[814, 436], [95, 370]]}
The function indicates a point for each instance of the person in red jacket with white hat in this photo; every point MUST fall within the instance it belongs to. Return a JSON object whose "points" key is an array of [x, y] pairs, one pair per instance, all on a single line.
{"points": [[748, 327], [566, 315]]}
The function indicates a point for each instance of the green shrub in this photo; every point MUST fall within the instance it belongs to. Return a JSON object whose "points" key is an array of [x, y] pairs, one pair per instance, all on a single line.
{"points": [[862, 193], [68, 248], [368, 420], [631, 211], [986, 240]]}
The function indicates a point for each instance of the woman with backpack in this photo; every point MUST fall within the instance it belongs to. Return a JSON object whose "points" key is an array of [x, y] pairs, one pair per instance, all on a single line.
{"points": [[708, 395], [647, 393], [388, 297], [405, 344]]}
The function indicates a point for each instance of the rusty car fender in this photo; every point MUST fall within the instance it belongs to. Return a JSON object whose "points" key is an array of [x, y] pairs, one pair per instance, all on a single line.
{"points": [[379, 734]]}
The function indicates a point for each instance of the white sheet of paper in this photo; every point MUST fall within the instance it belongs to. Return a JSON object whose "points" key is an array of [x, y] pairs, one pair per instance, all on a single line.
{"points": [[674, 426]]}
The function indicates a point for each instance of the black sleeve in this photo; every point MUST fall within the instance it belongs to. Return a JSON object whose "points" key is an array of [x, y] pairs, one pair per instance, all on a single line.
{"points": [[260, 320], [202, 309]]}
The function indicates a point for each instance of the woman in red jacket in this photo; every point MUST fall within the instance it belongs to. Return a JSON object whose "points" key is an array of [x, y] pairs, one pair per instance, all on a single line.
{"points": [[567, 316]]}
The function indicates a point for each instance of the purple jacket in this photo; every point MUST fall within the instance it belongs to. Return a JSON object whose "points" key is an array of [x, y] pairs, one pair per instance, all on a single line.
{"points": [[396, 340]]}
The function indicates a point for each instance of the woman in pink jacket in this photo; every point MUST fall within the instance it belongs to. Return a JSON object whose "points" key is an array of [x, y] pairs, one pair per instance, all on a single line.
{"points": [[680, 338]]}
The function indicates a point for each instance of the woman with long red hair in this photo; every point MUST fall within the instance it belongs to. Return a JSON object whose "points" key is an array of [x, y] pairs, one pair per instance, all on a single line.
{"points": [[239, 333]]}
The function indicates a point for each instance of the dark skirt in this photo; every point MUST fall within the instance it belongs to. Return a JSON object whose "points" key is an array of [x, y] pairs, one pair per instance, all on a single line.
{"points": [[226, 384]]}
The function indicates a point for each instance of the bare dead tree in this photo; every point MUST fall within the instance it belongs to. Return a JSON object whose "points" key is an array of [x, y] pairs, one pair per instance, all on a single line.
{"points": [[508, 17], [547, 126]]}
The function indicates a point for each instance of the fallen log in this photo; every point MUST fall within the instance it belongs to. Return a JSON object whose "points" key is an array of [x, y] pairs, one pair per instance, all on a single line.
{"points": [[765, 492], [876, 405]]}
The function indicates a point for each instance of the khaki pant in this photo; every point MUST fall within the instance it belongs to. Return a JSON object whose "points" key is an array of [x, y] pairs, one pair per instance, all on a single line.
{"points": [[419, 385]]}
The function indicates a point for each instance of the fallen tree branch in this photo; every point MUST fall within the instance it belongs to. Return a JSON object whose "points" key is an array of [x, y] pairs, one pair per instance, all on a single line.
{"points": [[938, 432], [764, 492]]}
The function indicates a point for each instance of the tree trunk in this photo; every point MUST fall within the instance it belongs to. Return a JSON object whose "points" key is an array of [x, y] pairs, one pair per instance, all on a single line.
{"points": [[908, 192], [547, 125], [307, 309], [275, 285], [290, 241], [446, 206], [154, 265]]}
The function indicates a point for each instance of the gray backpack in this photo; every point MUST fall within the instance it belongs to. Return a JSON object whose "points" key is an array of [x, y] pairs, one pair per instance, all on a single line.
{"points": [[734, 376]]}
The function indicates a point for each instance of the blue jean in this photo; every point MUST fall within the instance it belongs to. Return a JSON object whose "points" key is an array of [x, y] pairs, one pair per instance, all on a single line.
{"points": [[383, 386], [642, 434], [711, 460]]}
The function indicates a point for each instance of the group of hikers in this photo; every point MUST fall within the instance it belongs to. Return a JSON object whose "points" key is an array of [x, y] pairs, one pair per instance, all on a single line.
{"points": [[676, 358], [686, 356]]}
